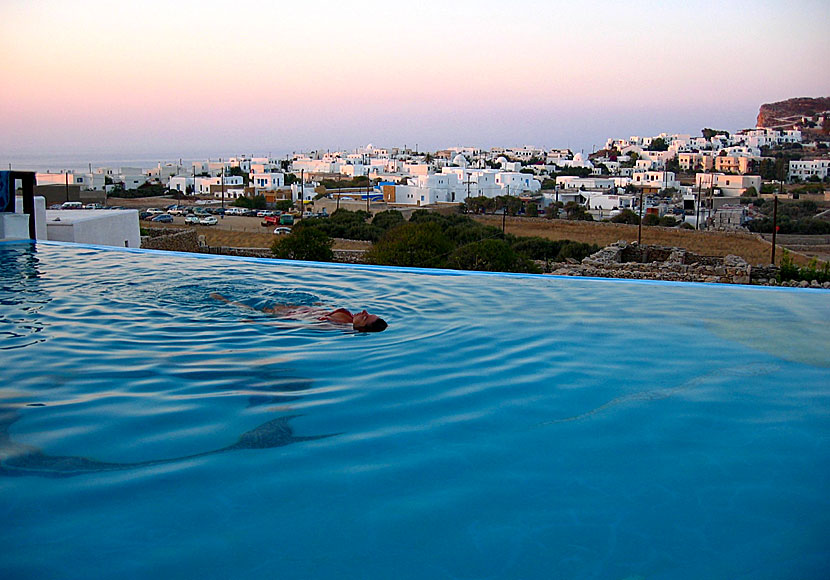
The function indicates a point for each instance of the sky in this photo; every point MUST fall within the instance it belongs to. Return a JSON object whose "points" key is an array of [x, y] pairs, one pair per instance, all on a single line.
{"points": [[187, 79]]}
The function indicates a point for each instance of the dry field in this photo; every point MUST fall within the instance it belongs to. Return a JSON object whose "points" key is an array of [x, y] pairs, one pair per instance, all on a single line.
{"points": [[241, 238], [748, 246]]}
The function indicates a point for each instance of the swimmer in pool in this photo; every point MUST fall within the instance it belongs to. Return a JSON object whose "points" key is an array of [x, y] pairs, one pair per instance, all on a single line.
{"points": [[361, 321]]}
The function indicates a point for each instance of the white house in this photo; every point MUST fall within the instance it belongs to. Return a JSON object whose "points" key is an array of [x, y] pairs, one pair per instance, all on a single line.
{"points": [[805, 169], [655, 179], [203, 184], [608, 201], [729, 185], [571, 183], [86, 181], [181, 183], [267, 181]]}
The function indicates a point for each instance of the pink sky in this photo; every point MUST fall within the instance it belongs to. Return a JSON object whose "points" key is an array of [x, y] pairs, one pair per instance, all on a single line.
{"points": [[192, 77]]}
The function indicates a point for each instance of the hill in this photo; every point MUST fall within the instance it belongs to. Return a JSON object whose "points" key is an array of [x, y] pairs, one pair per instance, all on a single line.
{"points": [[787, 114]]}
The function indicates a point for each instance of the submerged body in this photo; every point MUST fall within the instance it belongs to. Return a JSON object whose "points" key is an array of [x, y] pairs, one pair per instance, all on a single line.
{"points": [[361, 321]]}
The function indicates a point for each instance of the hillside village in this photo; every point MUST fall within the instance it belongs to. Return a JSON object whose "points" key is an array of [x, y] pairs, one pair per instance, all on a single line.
{"points": [[696, 180]]}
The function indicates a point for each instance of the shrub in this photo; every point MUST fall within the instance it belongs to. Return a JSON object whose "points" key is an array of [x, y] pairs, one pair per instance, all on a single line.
{"points": [[651, 219], [422, 245], [389, 219], [491, 256], [626, 216], [304, 244], [789, 270]]}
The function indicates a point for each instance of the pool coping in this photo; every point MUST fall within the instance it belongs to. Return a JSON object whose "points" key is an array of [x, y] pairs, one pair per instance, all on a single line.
{"points": [[403, 269]]}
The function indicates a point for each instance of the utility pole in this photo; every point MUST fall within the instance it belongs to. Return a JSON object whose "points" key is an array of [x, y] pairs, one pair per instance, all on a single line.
{"points": [[697, 207], [368, 183], [774, 226], [504, 213], [66, 183], [222, 180], [302, 191], [640, 225]]}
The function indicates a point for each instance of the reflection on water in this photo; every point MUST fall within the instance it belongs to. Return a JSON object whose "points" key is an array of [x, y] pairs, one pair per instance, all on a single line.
{"points": [[21, 297], [751, 370], [20, 459]]}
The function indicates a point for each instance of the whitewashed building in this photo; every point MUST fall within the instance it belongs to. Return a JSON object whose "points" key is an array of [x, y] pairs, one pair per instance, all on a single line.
{"points": [[729, 185], [806, 169], [267, 181]]}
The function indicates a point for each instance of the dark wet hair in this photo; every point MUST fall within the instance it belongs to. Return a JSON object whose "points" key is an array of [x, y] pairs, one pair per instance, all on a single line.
{"points": [[378, 325]]}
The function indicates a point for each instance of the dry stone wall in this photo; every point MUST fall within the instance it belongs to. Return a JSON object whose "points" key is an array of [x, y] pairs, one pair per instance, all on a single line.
{"points": [[631, 260], [174, 241]]}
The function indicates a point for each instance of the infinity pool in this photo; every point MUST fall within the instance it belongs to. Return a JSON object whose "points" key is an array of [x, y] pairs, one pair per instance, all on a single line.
{"points": [[503, 426]]}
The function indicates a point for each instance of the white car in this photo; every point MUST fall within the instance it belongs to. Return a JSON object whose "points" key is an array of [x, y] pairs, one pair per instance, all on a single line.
{"points": [[191, 219], [155, 211], [209, 221], [282, 230]]}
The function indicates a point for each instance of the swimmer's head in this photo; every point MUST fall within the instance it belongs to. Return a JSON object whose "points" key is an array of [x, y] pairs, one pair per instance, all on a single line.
{"points": [[365, 322]]}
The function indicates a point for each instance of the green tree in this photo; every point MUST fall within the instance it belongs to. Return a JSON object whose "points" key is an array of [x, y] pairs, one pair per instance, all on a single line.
{"points": [[633, 157], [709, 133], [576, 211], [237, 171], [304, 244], [284, 205], [659, 144], [626, 216], [491, 256], [255, 202], [290, 179], [389, 219], [532, 209], [651, 219], [421, 245]]}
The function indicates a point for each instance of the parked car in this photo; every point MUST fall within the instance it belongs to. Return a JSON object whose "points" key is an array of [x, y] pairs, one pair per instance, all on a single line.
{"points": [[72, 205], [143, 215], [163, 218], [209, 221], [270, 220], [176, 211], [93, 206], [286, 219], [155, 211], [282, 230], [265, 213], [191, 219]]}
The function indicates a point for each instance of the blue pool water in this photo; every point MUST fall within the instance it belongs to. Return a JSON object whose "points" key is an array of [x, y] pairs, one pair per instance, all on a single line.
{"points": [[502, 427]]}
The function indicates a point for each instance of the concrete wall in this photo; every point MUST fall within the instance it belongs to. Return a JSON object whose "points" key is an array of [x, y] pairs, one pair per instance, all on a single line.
{"points": [[40, 215], [100, 227]]}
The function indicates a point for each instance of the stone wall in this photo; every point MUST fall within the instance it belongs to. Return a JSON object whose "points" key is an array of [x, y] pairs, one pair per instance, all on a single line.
{"points": [[350, 256], [630, 260], [340, 256], [171, 240]]}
